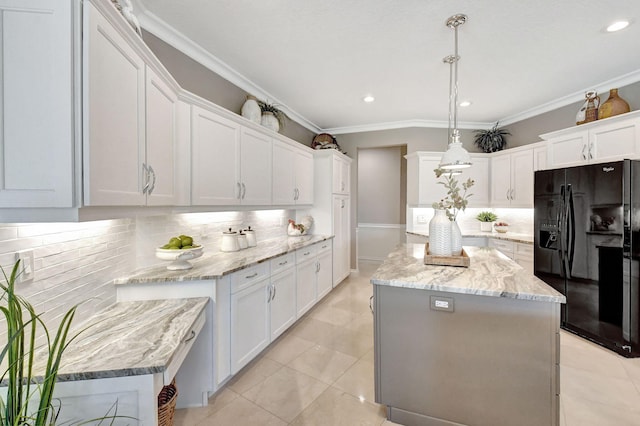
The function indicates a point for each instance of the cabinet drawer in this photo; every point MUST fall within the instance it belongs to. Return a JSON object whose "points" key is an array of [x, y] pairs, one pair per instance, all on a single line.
{"points": [[244, 278], [183, 350], [506, 247], [306, 253], [524, 250], [283, 262], [323, 247]]}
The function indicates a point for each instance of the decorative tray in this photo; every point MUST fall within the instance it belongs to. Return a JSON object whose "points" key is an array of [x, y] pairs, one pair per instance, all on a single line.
{"points": [[461, 260]]}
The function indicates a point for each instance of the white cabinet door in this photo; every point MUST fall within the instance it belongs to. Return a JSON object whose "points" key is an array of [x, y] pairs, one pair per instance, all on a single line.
{"points": [[569, 150], [522, 179], [342, 239], [161, 146], [324, 269], [341, 175], [37, 92], [422, 186], [215, 160], [249, 323], [306, 280], [615, 141], [114, 140], [283, 302], [303, 177], [540, 158], [255, 168], [479, 172], [501, 180], [283, 179]]}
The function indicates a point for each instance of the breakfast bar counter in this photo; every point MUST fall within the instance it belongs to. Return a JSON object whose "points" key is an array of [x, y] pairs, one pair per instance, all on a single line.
{"points": [[465, 346]]}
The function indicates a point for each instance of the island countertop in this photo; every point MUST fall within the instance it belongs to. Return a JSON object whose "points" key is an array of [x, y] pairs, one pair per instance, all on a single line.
{"points": [[215, 264], [490, 274]]}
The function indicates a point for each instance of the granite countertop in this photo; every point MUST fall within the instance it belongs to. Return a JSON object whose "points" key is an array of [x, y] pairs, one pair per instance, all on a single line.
{"points": [[490, 274], [214, 264], [507, 236], [127, 339]]}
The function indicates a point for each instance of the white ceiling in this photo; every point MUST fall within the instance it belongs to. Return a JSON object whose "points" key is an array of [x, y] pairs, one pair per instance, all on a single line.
{"points": [[319, 58]]}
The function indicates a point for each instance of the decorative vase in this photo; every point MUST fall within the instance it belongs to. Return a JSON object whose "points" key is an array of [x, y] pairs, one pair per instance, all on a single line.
{"points": [[613, 106], [589, 111], [486, 226], [456, 239], [251, 110], [270, 121], [440, 234]]}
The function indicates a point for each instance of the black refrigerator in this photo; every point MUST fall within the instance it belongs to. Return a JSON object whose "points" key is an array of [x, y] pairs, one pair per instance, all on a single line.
{"points": [[587, 246]]}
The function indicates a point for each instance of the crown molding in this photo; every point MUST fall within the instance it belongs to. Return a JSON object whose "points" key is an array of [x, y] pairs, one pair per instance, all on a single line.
{"points": [[405, 124], [604, 87]]}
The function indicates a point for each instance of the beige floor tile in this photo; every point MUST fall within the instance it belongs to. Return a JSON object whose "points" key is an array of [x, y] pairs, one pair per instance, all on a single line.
{"points": [[242, 412], [323, 363], [632, 367], [358, 381], [332, 315], [596, 360], [580, 412], [352, 342], [253, 374], [583, 385], [337, 408], [286, 393], [192, 416], [316, 331], [369, 356], [287, 347], [356, 306], [363, 323]]}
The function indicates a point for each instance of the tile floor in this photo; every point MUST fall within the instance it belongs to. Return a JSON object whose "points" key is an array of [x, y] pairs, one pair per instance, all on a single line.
{"points": [[320, 372]]}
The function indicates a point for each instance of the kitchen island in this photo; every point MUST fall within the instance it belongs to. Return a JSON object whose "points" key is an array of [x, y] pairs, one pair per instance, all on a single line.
{"points": [[465, 346]]}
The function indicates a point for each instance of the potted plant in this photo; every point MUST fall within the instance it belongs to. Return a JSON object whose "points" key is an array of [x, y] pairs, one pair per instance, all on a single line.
{"points": [[485, 219], [454, 202], [272, 117], [491, 140]]}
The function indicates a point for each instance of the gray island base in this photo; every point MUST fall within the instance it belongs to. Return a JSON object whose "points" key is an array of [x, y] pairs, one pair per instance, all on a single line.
{"points": [[465, 346]]}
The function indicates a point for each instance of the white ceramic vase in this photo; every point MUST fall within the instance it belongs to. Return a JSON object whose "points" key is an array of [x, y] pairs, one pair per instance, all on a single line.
{"points": [[251, 110], [440, 234], [270, 121], [456, 239]]}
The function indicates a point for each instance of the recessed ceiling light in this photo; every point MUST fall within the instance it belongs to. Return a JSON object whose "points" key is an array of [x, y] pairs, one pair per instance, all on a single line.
{"points": [[617, 26], [465, 103], [369, 99]]}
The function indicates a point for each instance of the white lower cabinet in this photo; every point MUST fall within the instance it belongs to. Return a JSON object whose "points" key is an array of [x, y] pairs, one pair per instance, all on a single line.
{"points": [[324, 270], [282, 297], [306, 269], [521, 253]]}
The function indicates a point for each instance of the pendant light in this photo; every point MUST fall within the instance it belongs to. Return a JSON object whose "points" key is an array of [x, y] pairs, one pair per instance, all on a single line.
{"points": [[456, 157]]}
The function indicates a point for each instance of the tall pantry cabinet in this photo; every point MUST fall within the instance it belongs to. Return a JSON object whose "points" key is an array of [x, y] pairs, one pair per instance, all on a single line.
{"points": [[332, 207]]}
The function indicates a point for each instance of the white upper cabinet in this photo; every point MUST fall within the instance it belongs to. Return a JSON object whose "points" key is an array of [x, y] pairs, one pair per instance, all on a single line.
{"points": [[37, 88], [255, 168], [341, 175], [215, 157], [512, 178], [611, 139], [292, 174], [423, 188]]}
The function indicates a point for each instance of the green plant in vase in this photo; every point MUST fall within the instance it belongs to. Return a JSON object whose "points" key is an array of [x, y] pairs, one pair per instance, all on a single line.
{"points": [[457, 197], [491, 140], [486, 218]]}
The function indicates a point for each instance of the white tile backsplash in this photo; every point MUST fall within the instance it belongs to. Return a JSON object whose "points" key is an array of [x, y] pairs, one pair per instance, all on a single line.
{"points": [[519, 220]]}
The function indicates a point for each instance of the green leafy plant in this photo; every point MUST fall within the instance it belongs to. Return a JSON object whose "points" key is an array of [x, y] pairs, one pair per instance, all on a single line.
{"points": [[273, 109], [457, 197], [491, 140], [486, 217]]}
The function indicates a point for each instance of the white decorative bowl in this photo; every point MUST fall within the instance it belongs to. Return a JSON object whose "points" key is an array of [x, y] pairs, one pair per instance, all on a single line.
{"points": [[501, 229], [180, 258]]}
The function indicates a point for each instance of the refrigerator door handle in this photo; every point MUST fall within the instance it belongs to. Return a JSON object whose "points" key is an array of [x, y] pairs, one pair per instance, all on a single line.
{"points": [[571, 224], [562, 229]]}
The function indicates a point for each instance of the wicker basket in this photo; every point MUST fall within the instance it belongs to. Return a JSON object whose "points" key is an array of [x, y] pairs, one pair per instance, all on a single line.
{"points": [[167, 404]]}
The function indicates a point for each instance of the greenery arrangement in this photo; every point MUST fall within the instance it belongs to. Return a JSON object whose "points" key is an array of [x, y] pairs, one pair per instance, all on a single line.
{"points": [[273, 109], [486, 217], [457, 198], [491, 140]]}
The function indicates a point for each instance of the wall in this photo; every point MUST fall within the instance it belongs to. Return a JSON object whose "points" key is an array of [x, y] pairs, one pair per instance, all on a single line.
{"points": [[200, 80]]}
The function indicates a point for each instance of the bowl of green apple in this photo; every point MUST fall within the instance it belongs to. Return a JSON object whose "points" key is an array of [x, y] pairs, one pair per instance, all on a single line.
{"points": [[179, 250]]}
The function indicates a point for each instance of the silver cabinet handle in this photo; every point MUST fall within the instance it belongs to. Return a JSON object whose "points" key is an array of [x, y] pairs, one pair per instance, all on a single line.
{"points": [[283, 263], [239, 190], [508, 191], [584, 157], [191, 336], [513, 194], [244, 191], [590, 154], [306, 254], [145, 169], [153, 181], [255, 274], [274, 291], [371, 303], [269, 288]]}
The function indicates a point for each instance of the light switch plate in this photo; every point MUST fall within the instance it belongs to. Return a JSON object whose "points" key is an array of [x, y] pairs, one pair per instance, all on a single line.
{"points": [[27, 272]]}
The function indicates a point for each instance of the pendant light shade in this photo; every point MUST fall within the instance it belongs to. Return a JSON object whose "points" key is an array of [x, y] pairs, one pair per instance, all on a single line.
{"points": [[456, 157]]}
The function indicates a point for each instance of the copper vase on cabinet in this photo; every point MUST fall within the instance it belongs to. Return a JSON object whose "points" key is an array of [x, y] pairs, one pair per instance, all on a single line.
{"points": [[613, 106]]}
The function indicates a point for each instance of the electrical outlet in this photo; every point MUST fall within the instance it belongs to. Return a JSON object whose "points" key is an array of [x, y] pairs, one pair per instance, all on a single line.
{"points": [[27, 272], [421, 218]]}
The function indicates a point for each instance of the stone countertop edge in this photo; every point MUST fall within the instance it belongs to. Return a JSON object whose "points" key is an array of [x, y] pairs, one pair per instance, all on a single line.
{"points": [[490, 274], [127, 339], [216, 264], [507, 236]]}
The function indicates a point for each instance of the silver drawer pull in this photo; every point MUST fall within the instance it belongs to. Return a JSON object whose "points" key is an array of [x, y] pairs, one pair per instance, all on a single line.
{"points": [[191, 336], [283, 263], [252, 276], [307, 253], [324, 246]]}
